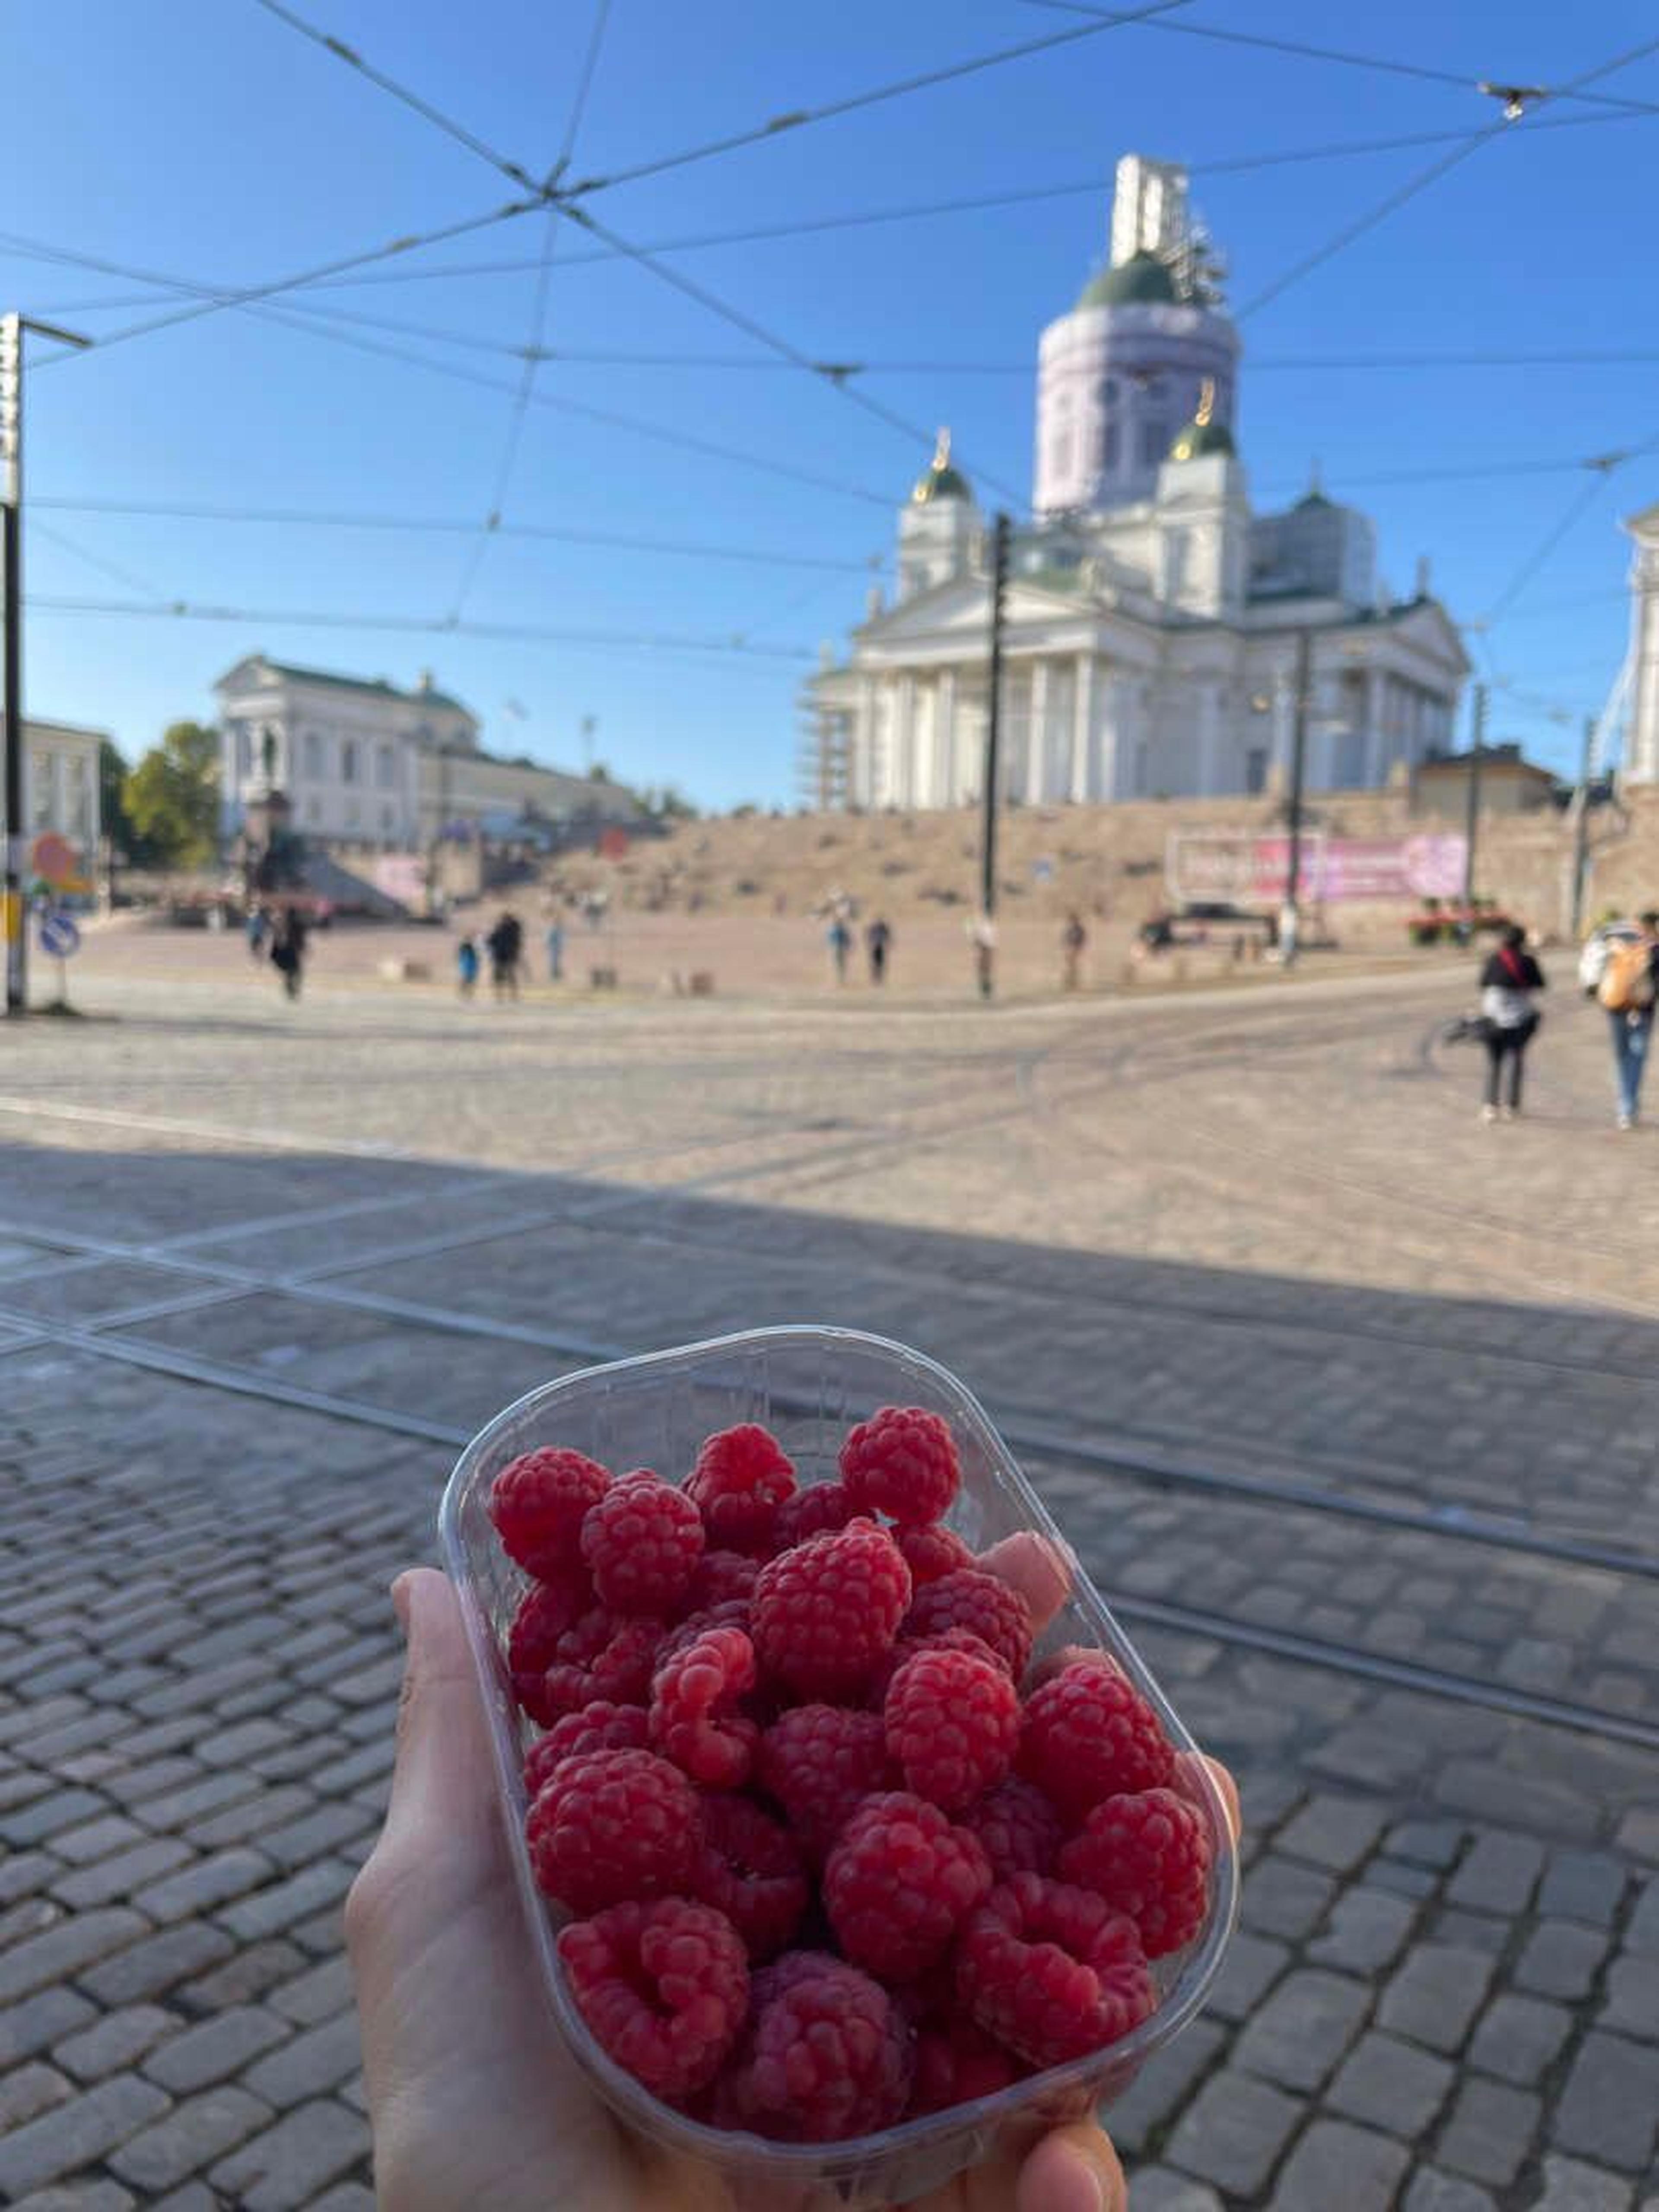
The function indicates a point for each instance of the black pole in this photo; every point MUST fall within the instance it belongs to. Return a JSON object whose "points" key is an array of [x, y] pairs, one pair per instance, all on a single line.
{"points": [[1298, 776], [11, 663], [1472, 810], [988, 881], [1581, 839]]}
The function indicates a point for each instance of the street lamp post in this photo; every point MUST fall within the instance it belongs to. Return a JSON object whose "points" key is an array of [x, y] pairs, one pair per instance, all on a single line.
{"points": [[12, 328]]}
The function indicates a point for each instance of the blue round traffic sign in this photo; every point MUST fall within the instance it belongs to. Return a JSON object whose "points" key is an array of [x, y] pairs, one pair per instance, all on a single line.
{"points": [[58, 935]]}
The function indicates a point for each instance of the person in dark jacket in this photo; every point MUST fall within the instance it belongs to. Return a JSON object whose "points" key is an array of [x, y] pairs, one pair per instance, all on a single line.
{"points": [[288, 950], [505, 945], [1509, 983]]}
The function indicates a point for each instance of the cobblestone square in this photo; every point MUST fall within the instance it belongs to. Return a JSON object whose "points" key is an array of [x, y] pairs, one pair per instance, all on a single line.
{"points": [[1359, 1442]]}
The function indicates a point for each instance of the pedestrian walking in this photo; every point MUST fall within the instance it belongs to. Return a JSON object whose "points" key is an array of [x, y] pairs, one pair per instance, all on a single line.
{"points": [[288, 950], [467, 965], [839, 939], [554, 939], [878, 942], [1627, 988], [504, 945], [1509, 981], [982, 936], [1073, 938], [258, 924]]}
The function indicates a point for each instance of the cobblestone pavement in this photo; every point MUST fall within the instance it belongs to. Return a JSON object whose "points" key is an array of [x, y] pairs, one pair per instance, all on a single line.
{"points": [[1226, 1273]]}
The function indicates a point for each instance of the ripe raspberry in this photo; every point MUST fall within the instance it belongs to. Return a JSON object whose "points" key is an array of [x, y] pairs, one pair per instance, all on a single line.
{"points": [[819, 1762], [741, 1478], [599, 1657], [731, 1612], [957, 2062], [899, 1882], [642, 1540], [823, 1613], [971, 1598], [930, 1551], [1147, 1853], [1051, 1971], [826, 2056], [948, 1639], [537, 1503], [813, 1512], [720, 1576], [952, 1722], [600, 1726], [1019, 1828], [751, 1870], [664, 1987], [1088, 1734], [694, 1719], [546, 1611], [611, 1825], [902, 1461]]}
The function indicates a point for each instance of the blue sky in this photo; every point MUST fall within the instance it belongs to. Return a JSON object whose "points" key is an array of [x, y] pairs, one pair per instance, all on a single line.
{"points": [[209, 141]]}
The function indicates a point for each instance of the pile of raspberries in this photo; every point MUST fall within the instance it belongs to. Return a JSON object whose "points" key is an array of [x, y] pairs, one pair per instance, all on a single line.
{"points": [[832, 1860]]}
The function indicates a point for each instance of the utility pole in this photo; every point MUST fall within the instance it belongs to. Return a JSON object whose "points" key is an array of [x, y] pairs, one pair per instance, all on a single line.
{"points": [[1291, 918], [12, 328], [1472, 811], [988, 880], [1581, 839]]}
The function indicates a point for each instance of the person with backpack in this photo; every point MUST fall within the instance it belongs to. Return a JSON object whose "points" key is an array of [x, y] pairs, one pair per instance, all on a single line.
{"points": [[1628, 986], [1507, 982]]}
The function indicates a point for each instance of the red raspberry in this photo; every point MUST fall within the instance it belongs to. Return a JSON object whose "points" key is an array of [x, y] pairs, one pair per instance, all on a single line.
{"points": [[813, 1512], [948, 1639], [972, 1598], [932, 1550], [693, 1720], [537, 1503], [827, 2054], [823, 1613], [1147, 1853], [599, 1657], [1051, 1971], [664, 1988], [819, 1762], [1019, 1828], [720, 1576], [902, 1461], [952, 1722], [1088, 1734], [600, 1726], [741, 1478], [957, 2062], [611, 1825], [546, 1611], [731, 1612], [900, 1882], [642, 1540], [751, 1870]]}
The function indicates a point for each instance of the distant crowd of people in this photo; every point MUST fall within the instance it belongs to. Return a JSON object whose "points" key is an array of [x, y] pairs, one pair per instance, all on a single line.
{"points": [[1619, 968]]}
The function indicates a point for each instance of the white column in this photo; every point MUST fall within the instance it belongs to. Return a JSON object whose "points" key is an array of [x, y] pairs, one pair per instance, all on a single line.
{"points": [[1642, 750], [863, 776], [945, 736], [1374, 774], [58, 819], [1112, 746], [1036, 742], [902, 783], [1208, 778], [1083, 710]]}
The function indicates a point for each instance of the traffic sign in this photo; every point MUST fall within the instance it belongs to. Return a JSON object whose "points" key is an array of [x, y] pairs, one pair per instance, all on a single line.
{"points": [[58, 936], [53, 859]]}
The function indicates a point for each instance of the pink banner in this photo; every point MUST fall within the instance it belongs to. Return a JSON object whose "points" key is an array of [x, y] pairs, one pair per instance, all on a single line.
{"points": [[1255, 871]]}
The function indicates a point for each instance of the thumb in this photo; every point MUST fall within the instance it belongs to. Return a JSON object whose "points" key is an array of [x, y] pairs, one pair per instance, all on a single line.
{"points": [[1073, 2169], [442, 1784]]}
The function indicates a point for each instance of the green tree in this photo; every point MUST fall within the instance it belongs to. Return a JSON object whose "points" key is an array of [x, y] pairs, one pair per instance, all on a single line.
{"points": [[113, 774], [172, 797]]}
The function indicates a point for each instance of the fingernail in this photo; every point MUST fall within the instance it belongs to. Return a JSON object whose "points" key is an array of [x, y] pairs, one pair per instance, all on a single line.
{"points": [[402, 1597]]}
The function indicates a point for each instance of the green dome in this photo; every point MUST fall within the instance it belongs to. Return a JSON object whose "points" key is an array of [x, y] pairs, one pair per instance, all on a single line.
{"points": [[940, 480], [1200, 439], [1142, 280]]}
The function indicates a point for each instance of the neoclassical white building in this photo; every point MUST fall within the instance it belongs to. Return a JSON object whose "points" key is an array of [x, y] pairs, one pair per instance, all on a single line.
{"points": [[1153, 621]]}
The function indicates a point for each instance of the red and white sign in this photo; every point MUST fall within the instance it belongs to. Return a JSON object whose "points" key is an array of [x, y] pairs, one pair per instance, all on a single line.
{"points": [[1202, 865]]}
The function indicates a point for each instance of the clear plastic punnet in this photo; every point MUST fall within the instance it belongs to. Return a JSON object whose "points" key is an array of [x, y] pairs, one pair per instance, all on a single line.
{"points": [[808, 1385]]}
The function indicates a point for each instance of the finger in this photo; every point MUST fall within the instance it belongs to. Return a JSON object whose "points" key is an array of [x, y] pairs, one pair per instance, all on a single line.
{"points": [[1229, 1790], [1041, 1570], [1075, 2169], [441, 1784]]}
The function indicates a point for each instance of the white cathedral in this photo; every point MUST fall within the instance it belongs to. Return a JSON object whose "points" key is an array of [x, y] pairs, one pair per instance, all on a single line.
{"points": [[1153, 623]]}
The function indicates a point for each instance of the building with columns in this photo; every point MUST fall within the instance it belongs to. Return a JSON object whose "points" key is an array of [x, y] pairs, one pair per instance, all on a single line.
{"points": [[1642, 740], [1153, 621], [60, 786]]}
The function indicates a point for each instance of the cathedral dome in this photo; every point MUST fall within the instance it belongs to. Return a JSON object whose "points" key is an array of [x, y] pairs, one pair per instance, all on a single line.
{"points": [[940, 480], [1204, 435], [1142, 280]]}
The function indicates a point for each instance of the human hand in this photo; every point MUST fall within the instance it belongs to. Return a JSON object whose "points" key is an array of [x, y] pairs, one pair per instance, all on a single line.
{"points": [[473, 2099]]}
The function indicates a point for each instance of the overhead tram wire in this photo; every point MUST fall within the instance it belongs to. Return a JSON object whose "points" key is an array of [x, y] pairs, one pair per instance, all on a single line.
{"points": [[456, 526], [1602, 468], [424, 108], [114, 570], [801, 118], [832, 373]]}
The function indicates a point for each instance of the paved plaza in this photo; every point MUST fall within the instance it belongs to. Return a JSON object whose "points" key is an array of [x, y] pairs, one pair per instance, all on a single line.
{"points": [[1348, 1402]]}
